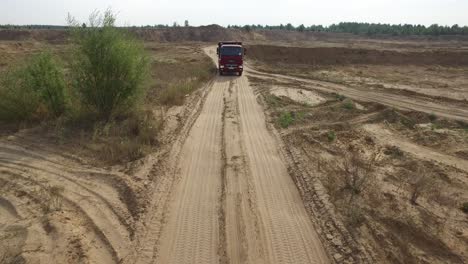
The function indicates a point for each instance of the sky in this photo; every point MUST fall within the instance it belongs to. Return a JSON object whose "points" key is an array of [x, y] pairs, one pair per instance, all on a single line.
{"points": [[239, 12]]}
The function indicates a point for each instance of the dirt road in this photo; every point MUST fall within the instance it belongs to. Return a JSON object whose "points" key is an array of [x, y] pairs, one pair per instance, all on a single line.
{"points": [[233, 200]]}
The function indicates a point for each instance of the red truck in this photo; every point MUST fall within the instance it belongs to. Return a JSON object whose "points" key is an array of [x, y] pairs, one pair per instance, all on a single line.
{"points": [[230, 57]]}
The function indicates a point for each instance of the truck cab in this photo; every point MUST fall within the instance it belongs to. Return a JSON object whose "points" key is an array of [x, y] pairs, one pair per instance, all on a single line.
{"points": [[230, 57]]}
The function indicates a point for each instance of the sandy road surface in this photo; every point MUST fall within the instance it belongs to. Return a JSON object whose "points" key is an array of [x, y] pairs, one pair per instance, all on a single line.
{"points": [[234, 201], [443, 109]]}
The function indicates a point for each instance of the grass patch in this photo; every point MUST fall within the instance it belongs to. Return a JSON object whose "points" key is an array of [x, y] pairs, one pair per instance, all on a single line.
{"points": [[288, 118]]}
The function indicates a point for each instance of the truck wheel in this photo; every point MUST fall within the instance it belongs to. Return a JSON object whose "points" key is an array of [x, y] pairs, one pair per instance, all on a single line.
{"points": [[240, 73], [220, 72]]}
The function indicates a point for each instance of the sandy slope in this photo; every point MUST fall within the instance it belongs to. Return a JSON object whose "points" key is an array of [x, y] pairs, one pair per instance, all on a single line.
{"points": [[234, 200]]}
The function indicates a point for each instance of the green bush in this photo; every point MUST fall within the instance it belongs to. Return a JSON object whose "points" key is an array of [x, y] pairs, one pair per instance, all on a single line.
{"points": [[286, 119], [110, 66], [32, 91], [45, 76]]}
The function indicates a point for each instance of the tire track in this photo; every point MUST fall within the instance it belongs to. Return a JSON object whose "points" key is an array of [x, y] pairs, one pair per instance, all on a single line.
{"points": [[71, 185], [191, 234], [95, 217], [289, 233], [147, 246], [28, 188], [223, 257], [101, 201], [244, 242]]}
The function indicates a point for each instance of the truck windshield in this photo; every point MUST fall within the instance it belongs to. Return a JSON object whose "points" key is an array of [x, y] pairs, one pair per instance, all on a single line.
{"points": [[231, 51]]}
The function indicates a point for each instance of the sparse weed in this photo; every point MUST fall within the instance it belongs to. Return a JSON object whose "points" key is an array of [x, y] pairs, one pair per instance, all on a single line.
{"points": [[331, 136], [272, 100], [393, 151], [432, 117], [340, 97], [462, 124], [435, 126], [464, 207], [349, 104], [357, 172], [51, 197]]}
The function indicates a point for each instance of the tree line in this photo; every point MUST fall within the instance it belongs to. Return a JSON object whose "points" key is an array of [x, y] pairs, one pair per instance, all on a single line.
{"points": [[366, 28], [343, 27]]}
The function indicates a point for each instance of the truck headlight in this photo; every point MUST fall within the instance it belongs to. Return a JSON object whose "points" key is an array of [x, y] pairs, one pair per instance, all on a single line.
{"points": [[240, 66], [221, 66]]}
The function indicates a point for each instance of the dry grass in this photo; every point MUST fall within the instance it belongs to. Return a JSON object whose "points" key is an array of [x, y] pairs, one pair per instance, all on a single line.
{"points": [[177, 70]]}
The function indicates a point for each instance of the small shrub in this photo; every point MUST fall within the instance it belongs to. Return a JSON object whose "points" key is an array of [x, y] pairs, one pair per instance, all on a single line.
{"points": [[422, 182], [331, 136], [286, 119], [357, 173], [393, 151], [464, 207], [349, 105], [52, 199], [432, 117], [110, 66], [340, 97]]}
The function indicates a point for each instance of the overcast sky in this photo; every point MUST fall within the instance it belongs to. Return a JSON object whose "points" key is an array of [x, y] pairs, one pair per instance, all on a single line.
{"points": [[204, 12]]}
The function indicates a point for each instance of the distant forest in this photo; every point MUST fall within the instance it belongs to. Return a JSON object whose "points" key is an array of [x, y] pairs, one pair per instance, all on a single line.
{"points": [[344, 27]]}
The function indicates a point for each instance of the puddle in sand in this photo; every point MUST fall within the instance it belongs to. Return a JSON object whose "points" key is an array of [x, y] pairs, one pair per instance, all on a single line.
{"points": [[298, 95]]}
